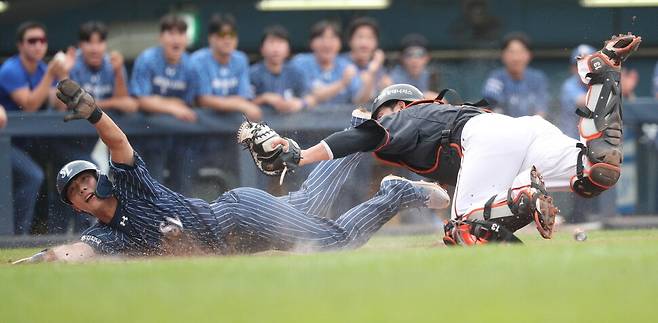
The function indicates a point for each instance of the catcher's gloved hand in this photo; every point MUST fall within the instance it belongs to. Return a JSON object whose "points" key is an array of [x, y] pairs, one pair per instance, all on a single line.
{"points": [[41, 256], [270, 158], [81, 104]]}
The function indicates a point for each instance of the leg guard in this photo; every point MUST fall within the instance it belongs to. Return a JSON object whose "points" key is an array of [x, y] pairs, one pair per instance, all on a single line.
{"points": [[496, 221], [600, 124]]}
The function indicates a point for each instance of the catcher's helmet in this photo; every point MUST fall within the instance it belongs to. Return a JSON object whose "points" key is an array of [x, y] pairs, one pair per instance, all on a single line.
{"points": [[401, 92], [69, 172]]}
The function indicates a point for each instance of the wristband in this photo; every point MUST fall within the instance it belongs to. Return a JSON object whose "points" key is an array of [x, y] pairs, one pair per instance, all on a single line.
{"points": [[95, 116]]}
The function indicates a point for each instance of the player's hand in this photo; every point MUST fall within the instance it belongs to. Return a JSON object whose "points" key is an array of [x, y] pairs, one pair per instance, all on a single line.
{"points": [[45, 255], [3, 117], [377, 61], [81, 104], [116, 60], [348, 74], [185, 114]]}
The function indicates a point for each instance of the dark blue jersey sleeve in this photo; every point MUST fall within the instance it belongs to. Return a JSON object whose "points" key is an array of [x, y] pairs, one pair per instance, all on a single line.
{"points": [[134, 182]]}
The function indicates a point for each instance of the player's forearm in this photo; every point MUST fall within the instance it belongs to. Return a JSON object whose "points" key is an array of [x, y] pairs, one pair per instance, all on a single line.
{"points": [[121, 103], [326, 92], [314, 154], [158, 104], [120, 86], [31, 101], [110, 133], [75, 252], [224, 104]]}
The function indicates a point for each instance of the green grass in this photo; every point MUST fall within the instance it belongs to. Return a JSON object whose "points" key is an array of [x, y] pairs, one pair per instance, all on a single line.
{"points": [[612, 277]]}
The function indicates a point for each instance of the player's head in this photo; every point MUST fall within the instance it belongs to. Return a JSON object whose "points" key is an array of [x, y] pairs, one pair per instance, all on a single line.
{"points": [[275, 44], [516, 53], [81, 185], [91, 40], [173, 37], [363, 37], [414, 54], [393, 97], [31, 40], [325, 40], [223, 34]]}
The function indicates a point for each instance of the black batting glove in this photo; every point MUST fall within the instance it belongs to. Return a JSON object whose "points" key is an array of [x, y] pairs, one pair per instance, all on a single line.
{"points": [[80, 103]]}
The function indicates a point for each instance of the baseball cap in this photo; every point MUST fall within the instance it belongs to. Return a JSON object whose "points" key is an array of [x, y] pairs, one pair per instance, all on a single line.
{"points": [[580, 50]]}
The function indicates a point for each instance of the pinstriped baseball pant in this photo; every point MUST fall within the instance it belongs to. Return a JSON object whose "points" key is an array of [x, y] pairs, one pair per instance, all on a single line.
{"points": [[295, 221]]}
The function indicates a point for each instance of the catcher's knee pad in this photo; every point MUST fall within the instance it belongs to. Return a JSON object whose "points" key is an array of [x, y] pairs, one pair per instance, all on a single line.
{"points": [[600, 125]]}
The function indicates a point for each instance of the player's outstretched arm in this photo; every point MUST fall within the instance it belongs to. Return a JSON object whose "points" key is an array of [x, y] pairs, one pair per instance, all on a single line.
{"points": [[82, 106], [75, 252]]}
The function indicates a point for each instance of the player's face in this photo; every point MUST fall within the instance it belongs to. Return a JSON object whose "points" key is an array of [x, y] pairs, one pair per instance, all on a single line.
{"points": [[174, 43], [275, 50], [225, 41], [93, 50], [34, 44], [415, 61], [516, 57], [81, 193], [326, 46], [363, 43]]}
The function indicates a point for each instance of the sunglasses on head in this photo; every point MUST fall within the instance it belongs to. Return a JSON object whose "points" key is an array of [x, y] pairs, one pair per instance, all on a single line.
{"points": [[35, 40], [230, 33]]}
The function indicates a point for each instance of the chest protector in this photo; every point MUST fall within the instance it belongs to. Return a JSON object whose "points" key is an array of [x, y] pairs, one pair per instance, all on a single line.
{"points": [[430, 128]]}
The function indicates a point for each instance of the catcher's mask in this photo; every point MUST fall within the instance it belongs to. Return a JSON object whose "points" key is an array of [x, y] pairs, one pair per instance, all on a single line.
{"points": [[71, 170], [397, 92]]}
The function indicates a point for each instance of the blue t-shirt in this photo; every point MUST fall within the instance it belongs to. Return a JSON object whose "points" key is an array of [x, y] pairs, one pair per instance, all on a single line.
{"points": [[314, 76], [99, 82], [516, 98], [223, 79], [400, 75], [289, 83], [152, 75], [572, 88], [145, 204], [14, 76]]}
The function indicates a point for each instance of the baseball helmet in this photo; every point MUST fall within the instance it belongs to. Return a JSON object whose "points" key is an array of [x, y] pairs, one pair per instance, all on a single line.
{"points": [[401, 92], [69, 172]]}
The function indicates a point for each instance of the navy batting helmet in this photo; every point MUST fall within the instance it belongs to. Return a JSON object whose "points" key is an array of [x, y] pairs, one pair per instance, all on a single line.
{"points": [[399, 92], [69, 172]]}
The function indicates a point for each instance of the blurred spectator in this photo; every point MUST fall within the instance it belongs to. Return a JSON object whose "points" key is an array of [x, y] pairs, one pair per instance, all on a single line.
{"points": [[27, 177], [572, 94], [629, 78], [655, 81], [516, 89], [413, 68], [476, 26], [275, 81], [363, 39], [101, 74], [224, 71], [165, 81], [26, 81], [332, 79]]}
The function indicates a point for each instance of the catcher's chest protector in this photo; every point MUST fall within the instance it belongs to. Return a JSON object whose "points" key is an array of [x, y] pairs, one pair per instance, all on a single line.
{"points": [[424, 138]]}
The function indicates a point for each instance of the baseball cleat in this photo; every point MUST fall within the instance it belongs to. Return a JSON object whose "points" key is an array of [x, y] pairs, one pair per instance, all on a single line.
{"points": [[437, 196]]}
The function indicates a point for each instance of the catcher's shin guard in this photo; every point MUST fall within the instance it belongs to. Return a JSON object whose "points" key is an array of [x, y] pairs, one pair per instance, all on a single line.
{"points": [[600, 123], [496, 221]]}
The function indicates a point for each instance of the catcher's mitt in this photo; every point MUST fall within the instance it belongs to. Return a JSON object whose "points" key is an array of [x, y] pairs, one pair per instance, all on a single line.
{"points": [[272, 161]]}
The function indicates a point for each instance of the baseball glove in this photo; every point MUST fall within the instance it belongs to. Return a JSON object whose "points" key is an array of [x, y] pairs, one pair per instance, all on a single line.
{"points": [[258, 138]]}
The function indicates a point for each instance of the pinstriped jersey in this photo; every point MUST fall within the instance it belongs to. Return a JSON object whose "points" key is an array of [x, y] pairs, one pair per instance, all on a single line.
{"points": [[145, 204], [517, 98]]}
